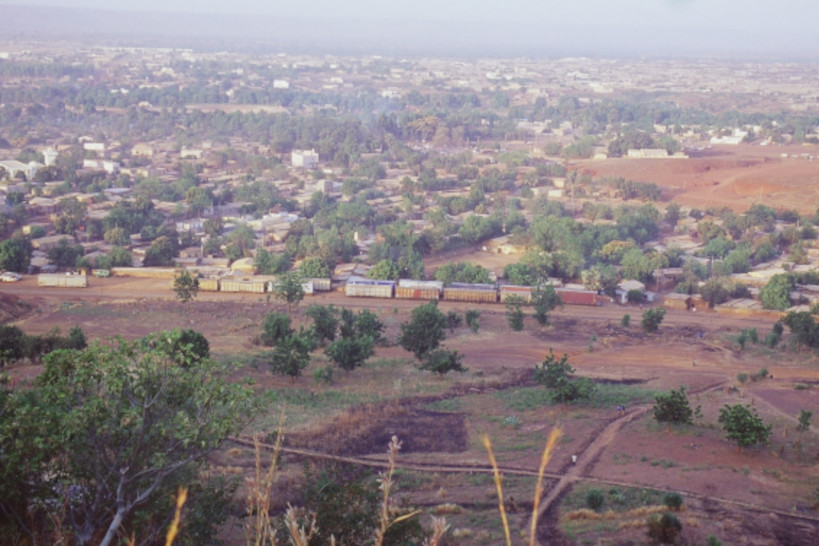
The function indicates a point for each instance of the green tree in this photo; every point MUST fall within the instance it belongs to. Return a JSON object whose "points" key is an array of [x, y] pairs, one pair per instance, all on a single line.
{"points": [[803, 327], [289, 289], [556, 375], [121, 257], [454, 320], [544, 299], [461, 272], [314, 268], [743, 425], [514, 313], [268, 263], [776, 294], [65, 254], [185, 285], [367, 323], [424, 331], [325, 321], [15, 254], [804, 420], [162, 251], [652, 318], [473, 319], [275, 328], [108, 433], [443, 361], [714, 292], [349, 353], [12, 344], [291, 355], [384, 269], [674, 407]]}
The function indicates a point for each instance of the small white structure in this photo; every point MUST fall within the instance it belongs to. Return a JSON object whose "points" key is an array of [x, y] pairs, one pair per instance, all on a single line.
{"points": [[627, 286], [306, 159], [13, 167], [94, 147], [281, 84], [50, 156]]}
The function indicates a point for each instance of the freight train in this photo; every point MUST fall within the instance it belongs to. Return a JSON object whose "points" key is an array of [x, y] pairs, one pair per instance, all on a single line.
{"points": [[354, 287], [362, 287]]}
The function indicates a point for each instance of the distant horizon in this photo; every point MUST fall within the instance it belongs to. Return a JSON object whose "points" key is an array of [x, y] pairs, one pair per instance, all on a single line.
{"points": [[378, 33]]}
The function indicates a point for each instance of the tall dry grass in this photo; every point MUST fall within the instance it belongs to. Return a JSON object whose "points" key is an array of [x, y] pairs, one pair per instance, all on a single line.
{"points": [[554, 435]]}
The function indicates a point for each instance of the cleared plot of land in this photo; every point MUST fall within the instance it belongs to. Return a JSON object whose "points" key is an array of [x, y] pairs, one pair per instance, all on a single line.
{"points": [[728, 176]]}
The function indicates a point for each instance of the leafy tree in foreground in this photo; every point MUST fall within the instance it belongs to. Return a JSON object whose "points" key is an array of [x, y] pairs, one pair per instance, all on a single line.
{"points": [[424, 331], [443, 361], [674, 408], [652, 318], [291, 355], [275, 328], [743, 425], [109, 432], [367, 323], [325, 322], [350, 352], [186, 286]]}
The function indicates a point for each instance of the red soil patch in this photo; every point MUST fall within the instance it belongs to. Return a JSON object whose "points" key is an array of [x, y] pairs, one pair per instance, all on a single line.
{"points": [[727, 176]]}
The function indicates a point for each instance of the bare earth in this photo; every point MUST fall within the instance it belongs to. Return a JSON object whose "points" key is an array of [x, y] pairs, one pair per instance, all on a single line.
{"points": [[727, 176], [754, 494]]}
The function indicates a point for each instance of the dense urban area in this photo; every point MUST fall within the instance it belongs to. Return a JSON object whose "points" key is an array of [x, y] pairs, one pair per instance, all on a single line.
{"points": [[341, 296]]}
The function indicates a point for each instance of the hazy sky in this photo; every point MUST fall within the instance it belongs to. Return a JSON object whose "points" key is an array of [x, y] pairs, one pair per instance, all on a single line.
{"points": [[732, 14], [752, 28]]}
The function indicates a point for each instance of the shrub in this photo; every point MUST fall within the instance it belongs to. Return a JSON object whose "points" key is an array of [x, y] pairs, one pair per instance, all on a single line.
{"points": [[473, 317], [664, 529], [323, 376], [625, 321], [674, 501], [595, 499]]}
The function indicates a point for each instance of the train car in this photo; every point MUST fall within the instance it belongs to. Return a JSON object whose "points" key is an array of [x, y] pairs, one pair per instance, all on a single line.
{"points": [[577, 297], [522, 292], [60, 280], [320, 285], [362, 287], [307, 287], [408, 289], [476, 293], [209, 285], [242, 285]]}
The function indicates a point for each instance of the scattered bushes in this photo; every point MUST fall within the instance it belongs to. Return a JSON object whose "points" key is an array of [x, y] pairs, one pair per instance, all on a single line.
{"points": [[595, 499]]}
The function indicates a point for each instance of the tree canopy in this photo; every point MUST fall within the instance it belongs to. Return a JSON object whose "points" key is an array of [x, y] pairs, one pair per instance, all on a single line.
{"points": [[424, 331], [673, 407], [109, 430], [743, 425]]}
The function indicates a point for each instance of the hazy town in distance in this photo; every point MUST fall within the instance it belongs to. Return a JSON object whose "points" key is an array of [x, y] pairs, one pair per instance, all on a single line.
{"points": [[276, 277]]}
